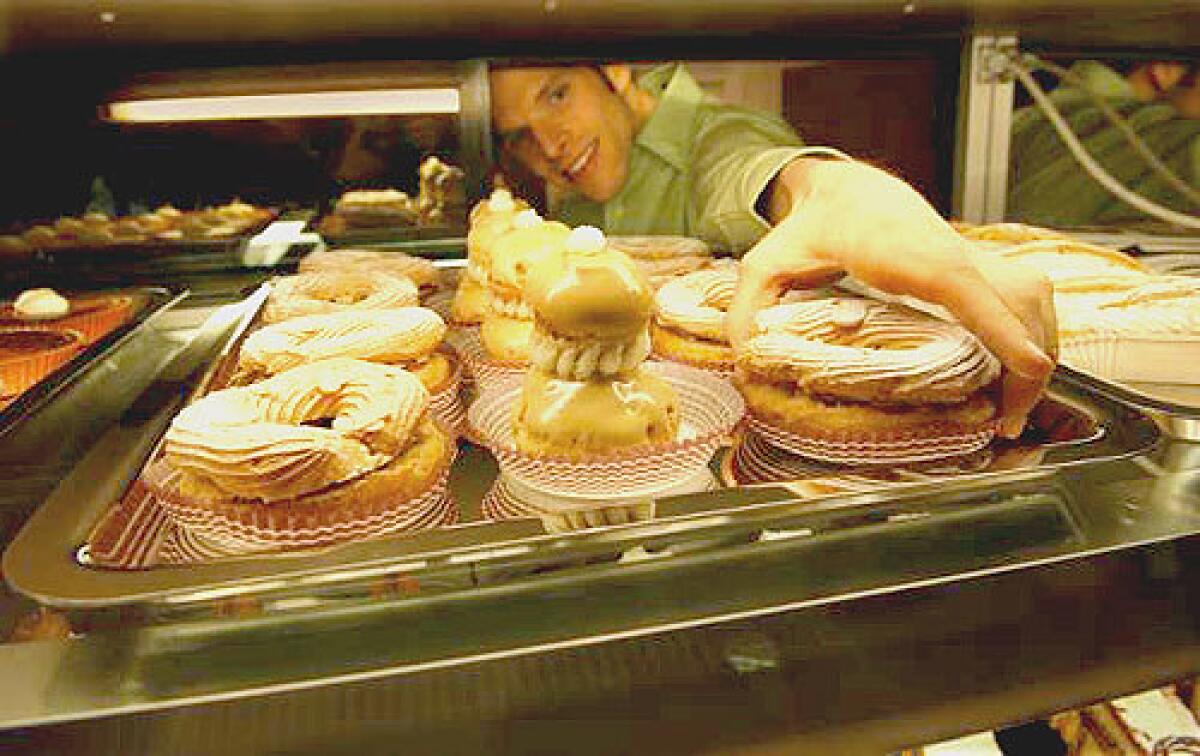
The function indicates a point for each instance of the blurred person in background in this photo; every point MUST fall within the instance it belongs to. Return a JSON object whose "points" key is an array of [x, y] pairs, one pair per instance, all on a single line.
{"points": [[655, 155]]}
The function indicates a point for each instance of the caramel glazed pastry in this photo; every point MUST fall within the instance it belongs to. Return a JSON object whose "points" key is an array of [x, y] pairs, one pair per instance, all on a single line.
{"points": [[330, 434], [689, 318], [856, 370], [406, 337], [508, 323], [489, 220], [586, 393]]}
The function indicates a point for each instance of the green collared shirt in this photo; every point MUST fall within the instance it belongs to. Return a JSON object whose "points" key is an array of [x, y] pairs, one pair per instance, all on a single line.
{"points": [[1048, 187], [697, 168]]}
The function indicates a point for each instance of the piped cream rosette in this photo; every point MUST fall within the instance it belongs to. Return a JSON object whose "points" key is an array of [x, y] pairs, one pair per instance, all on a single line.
{"points": [[850, 380], [254, 468], [689, 319], [592, 434], [409, 337], [327, 291]]}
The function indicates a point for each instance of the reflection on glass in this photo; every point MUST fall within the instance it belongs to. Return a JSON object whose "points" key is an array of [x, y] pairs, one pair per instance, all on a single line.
{"points": [[1160, 102]]}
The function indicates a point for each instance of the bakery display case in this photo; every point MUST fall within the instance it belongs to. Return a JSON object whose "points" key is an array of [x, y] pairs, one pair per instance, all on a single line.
{"points": [[775, 603]]}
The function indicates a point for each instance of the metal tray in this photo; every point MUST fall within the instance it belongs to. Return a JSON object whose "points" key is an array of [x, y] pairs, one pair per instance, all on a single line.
{"points": [[42, 561], [1175, 406], [148, 302]]}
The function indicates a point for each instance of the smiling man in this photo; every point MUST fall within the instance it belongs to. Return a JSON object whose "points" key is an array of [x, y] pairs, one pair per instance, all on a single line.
{"points": [[657, 156]]}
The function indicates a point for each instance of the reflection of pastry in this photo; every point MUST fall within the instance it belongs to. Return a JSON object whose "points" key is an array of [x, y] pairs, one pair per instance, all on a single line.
{"points": [[586, 394], [406, 337], [336, 291], [689, 320], [330, 442], [508, 323], [29, 354], [862, 377], [419, 270]]}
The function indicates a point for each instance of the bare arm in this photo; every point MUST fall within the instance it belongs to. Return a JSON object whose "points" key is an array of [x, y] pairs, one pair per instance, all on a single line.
{"points": [[832, 217]]}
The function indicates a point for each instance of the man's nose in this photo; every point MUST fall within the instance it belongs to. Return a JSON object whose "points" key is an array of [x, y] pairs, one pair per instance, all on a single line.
{"points": [[550, 140]]}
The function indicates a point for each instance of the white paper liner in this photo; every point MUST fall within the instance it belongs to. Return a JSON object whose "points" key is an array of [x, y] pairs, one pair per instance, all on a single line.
{"points": [[480, 367], [867, 451], [710, 409], [508, 499], [1155, 358], [213, 530]]}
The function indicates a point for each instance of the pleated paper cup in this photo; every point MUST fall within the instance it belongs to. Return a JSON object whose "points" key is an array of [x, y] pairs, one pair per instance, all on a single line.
{"points": [[930, 443], [710, 409], [248, 526]]}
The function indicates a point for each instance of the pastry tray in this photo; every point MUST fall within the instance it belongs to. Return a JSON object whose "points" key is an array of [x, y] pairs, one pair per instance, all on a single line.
{"points": [[384, 234], [44, 561], [147, 303]]}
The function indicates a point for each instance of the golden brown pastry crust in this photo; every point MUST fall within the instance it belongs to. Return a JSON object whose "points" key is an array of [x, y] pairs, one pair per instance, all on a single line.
{"points": [[470, 302], [506, 339], [804, 415], [689, 349], [413, 472]]}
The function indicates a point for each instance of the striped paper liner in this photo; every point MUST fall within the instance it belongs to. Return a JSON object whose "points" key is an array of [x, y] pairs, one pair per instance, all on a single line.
{"points": [[880, 449], [710, 408]]}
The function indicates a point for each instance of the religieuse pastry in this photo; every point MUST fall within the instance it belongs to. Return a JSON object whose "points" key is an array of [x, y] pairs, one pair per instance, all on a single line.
{"points": [[586, 393], [663, 258], [508, 322], [317, 454], [592, 434], [407, 337], [336, 291], [853, 380], [489, 220], [92, 315], [420, 271], [689, 318]]}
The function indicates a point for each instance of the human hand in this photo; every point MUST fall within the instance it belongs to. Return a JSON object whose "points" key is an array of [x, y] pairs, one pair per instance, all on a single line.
{"points": [[858, 220]]}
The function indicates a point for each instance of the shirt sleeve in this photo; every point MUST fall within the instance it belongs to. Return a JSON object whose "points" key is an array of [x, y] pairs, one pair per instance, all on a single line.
{"points": [[735, 156]]}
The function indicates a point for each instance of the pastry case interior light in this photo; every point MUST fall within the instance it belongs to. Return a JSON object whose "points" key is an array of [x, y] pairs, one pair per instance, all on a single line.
{"points": [[408, 101]]}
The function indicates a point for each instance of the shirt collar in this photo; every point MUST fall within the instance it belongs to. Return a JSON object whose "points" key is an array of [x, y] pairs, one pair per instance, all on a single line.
{"points": [[668, 131]]}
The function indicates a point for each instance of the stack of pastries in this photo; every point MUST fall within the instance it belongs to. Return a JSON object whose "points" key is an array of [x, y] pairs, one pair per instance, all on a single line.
{"points": [[587, 393], [854, 380], [508, 321], [489, 220], [664, 258]]}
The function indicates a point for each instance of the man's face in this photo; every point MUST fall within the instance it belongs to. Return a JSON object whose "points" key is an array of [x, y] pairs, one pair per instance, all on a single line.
{"points": [[565, 124]]}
